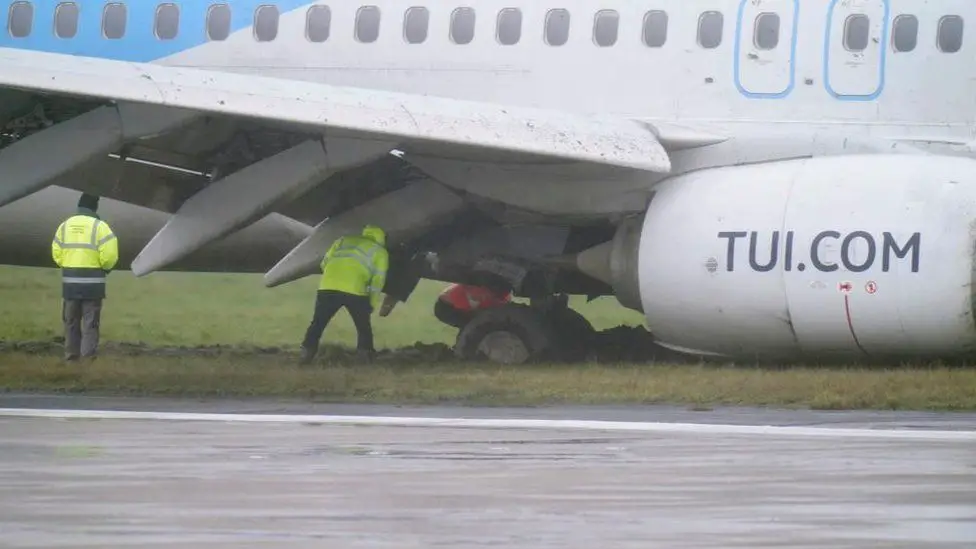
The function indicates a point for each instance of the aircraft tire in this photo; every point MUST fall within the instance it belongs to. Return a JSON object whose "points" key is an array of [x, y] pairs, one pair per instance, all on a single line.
{"points": [[513, 334]]}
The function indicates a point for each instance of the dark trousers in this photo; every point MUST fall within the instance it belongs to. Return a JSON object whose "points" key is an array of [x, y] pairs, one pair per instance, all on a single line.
{"points": [[449, 315], [82, 318], [327, 304]]}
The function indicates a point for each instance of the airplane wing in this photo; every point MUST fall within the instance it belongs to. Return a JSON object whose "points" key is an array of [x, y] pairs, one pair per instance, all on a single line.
{"points": [[372, 114], [326, 130]]}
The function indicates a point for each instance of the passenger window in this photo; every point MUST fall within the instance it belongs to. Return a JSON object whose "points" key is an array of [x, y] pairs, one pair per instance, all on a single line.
{"points": [[856, 31], [114, 21], [655, 29], [415, 23], [950, 33], [368, 24], [66, 20], [266, 23], [767, 31], [710, 26], [509, 26], [167, 21], [318, 23], [605, 26], [218, 22], [21, 19], [904, 36], [557, 27], [462, 25]]}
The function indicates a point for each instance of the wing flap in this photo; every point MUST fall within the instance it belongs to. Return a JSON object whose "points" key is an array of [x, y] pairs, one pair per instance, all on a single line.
{"points": [[406, 118]]}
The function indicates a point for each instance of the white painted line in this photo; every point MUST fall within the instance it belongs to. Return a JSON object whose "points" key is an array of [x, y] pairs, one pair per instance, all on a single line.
{"points": [[547, 424]]}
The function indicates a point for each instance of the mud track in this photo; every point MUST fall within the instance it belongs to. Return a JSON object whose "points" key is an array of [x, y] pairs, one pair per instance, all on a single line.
{"points": [[621, 344]]}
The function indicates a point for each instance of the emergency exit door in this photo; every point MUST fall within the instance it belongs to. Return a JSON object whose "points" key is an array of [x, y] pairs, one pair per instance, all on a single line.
{"points": [[765, 47], [857, 35]]}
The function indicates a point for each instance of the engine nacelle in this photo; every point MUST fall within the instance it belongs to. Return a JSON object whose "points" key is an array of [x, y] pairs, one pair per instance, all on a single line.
{"points": [[859, 255]]}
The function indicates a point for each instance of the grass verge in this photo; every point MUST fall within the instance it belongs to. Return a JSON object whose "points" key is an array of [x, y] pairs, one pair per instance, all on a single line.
{"points": [[184, 309], [934, 388]]}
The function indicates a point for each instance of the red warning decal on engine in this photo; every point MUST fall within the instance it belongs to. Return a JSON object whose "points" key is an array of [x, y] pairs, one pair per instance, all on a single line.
{"points": [[845, 287], [871, 287]]}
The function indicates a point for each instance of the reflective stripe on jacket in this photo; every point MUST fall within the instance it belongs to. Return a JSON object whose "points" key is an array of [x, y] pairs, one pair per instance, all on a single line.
{"points": [[355, 265], [85, 248], [470, 298]]}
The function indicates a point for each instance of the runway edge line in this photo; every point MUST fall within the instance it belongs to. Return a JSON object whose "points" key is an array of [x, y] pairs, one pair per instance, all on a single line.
{"points": [[542, 424]]}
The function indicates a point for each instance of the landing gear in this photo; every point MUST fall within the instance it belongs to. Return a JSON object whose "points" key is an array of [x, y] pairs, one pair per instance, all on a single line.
{"points": [[515, 334], [512, 334]]}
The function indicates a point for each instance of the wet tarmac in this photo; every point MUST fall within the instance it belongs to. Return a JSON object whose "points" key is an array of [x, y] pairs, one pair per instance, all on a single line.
{"points": [[142, 483], [721, 415]]}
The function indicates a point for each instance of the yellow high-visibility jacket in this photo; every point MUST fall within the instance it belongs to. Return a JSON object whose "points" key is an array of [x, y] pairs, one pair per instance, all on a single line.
{"points": [[86, 249], [357, 265]]}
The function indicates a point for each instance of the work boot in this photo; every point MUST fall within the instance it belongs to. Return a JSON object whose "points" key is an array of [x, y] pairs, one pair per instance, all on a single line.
{"points": [[307, 356]]}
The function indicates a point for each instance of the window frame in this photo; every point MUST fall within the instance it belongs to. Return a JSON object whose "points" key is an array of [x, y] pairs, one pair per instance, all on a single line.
{"points": [[547, 23], [756, 28], [498, 25], [315, 8], [57, 12], [406, 21], [867, 34], [10, 18], [257, 15], [451, 24], [721, 33], [644, 24], [230, 18], [125, 20], [357, 28], [159, 8], [938, 33], [894, 32], [616, 27]]}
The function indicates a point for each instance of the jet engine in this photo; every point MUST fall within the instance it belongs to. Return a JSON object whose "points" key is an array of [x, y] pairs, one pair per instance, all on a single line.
{"points": [[849, 255]]}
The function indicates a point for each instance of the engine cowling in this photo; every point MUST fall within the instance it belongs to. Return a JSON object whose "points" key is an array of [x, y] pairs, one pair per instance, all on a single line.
{"points": [[851, 255]]}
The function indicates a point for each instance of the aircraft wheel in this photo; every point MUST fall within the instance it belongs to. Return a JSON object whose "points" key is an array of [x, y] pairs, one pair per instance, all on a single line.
{"points": [[513, 334]]}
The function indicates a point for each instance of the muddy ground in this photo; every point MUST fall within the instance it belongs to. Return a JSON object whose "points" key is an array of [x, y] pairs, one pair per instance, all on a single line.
{"points": [[621, 344]]}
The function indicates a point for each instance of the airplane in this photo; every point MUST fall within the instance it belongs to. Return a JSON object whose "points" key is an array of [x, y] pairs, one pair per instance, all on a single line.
{"points": [[759, 178]]}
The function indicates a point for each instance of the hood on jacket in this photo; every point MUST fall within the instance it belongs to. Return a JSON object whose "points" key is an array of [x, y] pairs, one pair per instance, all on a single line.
{"points": [[88, 205], [88, 202], [375, 234]]}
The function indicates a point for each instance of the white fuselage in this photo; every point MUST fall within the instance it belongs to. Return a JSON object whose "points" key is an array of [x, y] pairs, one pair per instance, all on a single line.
{"points": [[808, 79], [805, 74]]}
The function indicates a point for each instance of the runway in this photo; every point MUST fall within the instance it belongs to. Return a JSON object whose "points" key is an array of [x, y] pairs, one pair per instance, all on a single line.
{"points": [[218, 482]]}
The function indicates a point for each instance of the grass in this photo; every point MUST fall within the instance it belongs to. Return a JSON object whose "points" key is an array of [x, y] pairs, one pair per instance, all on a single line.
{"points": [[488, 384], [236, 310], [207, 309]]}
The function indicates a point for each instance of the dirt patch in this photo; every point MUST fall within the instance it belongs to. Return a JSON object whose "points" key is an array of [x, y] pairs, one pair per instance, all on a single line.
{"points": [[633, 344], [419, 352], [620, 344]]}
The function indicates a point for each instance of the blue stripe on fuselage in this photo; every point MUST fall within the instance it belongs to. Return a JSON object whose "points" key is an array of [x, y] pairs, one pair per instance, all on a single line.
{"points": [[139, 42]]}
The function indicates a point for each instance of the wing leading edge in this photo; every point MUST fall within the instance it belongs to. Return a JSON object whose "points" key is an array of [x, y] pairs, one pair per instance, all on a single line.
{"points": [[353, 112]]}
